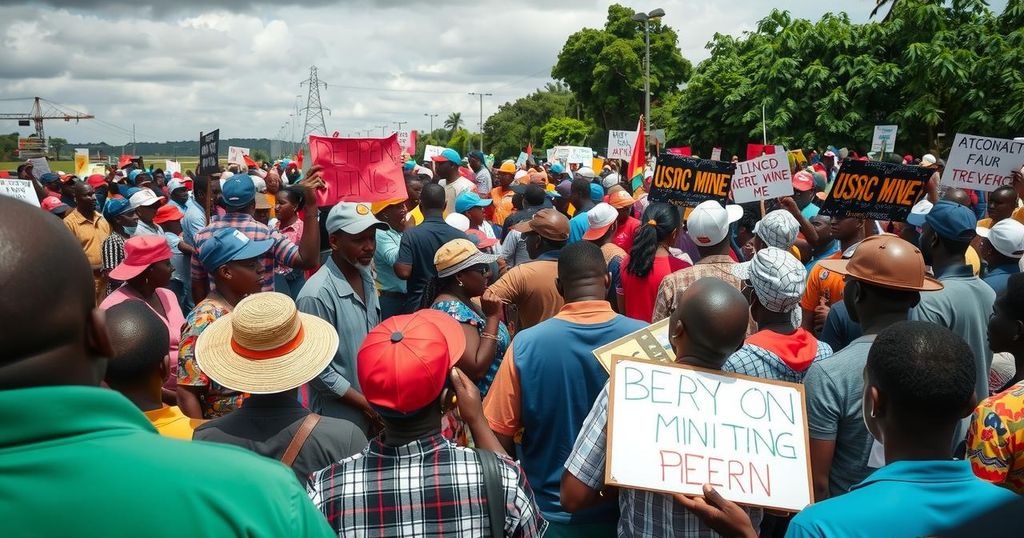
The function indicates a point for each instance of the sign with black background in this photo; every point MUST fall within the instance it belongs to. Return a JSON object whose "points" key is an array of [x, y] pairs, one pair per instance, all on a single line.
{"points": [[208, 145], [875, 190], [688, 181]]}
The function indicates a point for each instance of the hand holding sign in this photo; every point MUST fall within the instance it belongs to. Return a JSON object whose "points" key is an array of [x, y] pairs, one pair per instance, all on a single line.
{"points": [[722, 515]]}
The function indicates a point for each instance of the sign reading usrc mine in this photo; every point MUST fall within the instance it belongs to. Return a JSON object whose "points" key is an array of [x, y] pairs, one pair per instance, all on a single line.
{"points": [[688, 181], [358, 169], [673, 428], [875, 190]]}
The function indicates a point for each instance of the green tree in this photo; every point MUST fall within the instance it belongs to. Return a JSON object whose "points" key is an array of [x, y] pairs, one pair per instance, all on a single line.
{"points": [[453, 122], [517, 124], [57, 144], [565, 132], [260, 155], [460, 141], [605, 68]]}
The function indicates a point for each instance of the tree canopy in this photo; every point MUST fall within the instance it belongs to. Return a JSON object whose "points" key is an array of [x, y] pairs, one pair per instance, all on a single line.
{"points": [[518, 124]]}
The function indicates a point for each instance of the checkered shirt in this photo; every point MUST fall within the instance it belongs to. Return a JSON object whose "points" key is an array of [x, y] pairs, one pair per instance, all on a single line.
{"points": [[644, 513], [283, 252], [756, 361], [429, 487]]}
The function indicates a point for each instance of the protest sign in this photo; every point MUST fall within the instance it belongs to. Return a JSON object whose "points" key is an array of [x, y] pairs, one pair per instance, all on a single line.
{"points": [[688, 181], [659, 136], [982, 163], [403, 140], [650, 343], [875, 190], [170, 167], [208, 144], [81, 162], [884, 138], [763, 178], [236, 155], [673, 428], [684, 151], [20, 189], [620, 144], [522, 158], [797, 159], [597, 164], [579, 155], [358, 169], [40, 166], [716, 154], [431, 151]]}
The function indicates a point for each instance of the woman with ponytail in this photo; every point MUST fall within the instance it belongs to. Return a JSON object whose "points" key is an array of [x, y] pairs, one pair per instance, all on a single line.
{"points": [[649, 261]]}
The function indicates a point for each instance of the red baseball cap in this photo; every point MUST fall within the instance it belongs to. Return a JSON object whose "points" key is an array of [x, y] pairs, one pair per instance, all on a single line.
{"points": [[405, 361], [139, 253], [482, 240], [803, 181], [167, 213], [96, 181]]}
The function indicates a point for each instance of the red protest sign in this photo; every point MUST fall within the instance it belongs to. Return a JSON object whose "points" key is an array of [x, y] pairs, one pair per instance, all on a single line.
{"points": [[358, 169]]}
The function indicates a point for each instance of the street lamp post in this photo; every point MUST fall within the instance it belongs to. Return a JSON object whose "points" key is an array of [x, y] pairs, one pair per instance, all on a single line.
{"points": [[431, 116], [646, 19]]}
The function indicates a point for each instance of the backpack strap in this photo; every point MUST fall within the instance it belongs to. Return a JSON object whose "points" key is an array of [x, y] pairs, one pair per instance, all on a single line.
{"points": [[494, 489], [299, 438]]}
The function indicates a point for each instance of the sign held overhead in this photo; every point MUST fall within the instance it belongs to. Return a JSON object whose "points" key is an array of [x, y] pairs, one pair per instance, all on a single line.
{"points": [[875, 190], [982, 163], [358, 169], [688, 181]]}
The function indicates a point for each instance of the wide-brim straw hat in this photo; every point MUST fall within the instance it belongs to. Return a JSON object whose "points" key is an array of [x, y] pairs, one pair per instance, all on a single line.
{"points": [[265, 346]]}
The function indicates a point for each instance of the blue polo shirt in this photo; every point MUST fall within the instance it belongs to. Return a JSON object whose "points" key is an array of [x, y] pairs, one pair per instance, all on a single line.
{"points": [[908, 498], [997, 276]]}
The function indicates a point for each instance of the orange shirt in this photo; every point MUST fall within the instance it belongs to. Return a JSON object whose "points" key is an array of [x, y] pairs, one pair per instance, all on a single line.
{"points": [[502, 205], [823, 283]]}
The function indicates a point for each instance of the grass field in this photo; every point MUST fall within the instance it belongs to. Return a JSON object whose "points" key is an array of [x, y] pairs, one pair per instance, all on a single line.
{"points": [[68, 166]]}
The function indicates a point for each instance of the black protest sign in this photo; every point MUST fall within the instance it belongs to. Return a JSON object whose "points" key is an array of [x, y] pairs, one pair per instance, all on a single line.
{"points": [[208, 146], [875, 190], [688, 181]]}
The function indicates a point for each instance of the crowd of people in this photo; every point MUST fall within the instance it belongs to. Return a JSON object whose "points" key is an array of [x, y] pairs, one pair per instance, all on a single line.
{"points": [[424, 366]]}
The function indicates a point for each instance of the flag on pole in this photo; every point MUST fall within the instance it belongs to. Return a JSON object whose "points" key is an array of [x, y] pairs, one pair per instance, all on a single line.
{"points": [[639, 159]]}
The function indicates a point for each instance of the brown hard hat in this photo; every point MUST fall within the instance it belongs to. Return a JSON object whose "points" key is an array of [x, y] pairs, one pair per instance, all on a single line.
{"points": [[547, 223], [886, 260]]}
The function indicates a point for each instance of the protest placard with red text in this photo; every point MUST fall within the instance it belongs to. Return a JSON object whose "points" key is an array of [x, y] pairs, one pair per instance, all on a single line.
{"points": [[358, 169]]}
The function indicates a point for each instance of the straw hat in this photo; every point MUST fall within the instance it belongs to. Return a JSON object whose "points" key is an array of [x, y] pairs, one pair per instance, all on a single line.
{"points": [[265, 345]]}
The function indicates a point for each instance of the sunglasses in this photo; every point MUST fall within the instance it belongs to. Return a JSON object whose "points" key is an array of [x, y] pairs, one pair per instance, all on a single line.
{"points": [[482, 269]]}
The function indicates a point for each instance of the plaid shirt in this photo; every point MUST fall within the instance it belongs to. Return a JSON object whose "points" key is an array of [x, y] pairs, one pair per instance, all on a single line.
{"points": [[673, 285], [429, 487], [283, 252], [757, 361], [644, 513]]}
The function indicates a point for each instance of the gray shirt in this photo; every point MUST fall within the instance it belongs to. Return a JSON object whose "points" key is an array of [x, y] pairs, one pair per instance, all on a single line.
{"points": [[483, 181], [513, 249], [835, 389], [329, 296]]}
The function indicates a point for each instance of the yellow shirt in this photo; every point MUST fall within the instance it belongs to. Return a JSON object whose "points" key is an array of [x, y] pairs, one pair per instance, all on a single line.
{"points": [[1018, 215], [90, 234], [972, 258], [171, 422]]}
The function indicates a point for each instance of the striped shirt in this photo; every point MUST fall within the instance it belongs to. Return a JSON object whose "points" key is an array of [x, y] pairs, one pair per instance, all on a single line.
{"points": [[113, 255], [283, 252]]}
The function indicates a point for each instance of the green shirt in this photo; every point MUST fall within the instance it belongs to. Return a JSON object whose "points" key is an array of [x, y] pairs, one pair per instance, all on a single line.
{"points": [[84, 461]]}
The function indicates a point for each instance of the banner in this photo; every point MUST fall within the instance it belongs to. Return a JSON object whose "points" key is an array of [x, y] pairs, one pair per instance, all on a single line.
{"points": [[875, 190], [81, 162], [208, 144], [673, 428], [522, 159], [884, 138], [358, 169], [763, 178], [236, 155], [650, 343], [982, 163], [620, 144], [716, 153], [20, 189], [688, 181], [431, 151], [403, 140]]}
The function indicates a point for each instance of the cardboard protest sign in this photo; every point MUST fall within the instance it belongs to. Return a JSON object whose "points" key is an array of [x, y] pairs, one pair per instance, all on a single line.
{"points": [[620, 144], [763, 178], [40, 166], [982, 163], [875, 190], [431, 151], [81, 162], [597, 164], [579, 155], [20, 189], [208, 144], [673, 428], [688, 181], [236, 155], [358, 169], [170, 167], [716, 154], [650, 343], [884, 138]]}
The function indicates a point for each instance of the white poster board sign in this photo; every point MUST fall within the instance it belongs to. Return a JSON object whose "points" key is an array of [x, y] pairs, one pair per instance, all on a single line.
{"points": [[884, 138], [403, 140], [716, 154], [170, 167], [522, 158], [430, 152], [21, 189], [579, 155], [673, 428], [763, 178], [620, 144], [982, 163], [237, 155], [40, 166]]}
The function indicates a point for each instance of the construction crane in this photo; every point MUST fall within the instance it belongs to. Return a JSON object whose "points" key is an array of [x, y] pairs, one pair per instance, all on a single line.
{"points": [[53, 111]]}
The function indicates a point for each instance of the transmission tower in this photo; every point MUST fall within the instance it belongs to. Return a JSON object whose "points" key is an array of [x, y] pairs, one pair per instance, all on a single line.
{"points": [[314, 108]]}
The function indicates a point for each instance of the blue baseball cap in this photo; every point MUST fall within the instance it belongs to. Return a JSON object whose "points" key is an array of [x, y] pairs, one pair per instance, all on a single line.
{"points": [[228, 245], [478, 155], [133, 174], [116, 206], [449, 155], [468, 200], [557, 168], [596, 192], [238, 191], [409, 165], [951, 220], [48, 178]]}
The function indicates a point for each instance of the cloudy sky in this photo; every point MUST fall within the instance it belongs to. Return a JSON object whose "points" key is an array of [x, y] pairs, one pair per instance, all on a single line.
{"points": [[176, 67]]}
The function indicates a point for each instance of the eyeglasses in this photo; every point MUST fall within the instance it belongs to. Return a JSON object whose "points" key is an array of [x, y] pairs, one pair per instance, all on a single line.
{"points": [[482, 269]]}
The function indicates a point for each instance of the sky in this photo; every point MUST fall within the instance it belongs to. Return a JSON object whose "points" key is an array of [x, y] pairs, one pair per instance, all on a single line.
{"points": [[173, 68]]}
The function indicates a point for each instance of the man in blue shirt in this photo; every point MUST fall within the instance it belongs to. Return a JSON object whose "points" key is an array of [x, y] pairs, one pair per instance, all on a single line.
{"points": [[1002, 246], [919, 383], [581, 199], [415, 263]]}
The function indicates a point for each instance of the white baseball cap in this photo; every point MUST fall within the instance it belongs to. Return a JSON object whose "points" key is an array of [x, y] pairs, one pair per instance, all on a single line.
{"points": [[599, 219], [458, 221], [1006, 236], [610, 180], [586, 172], [919, 213], [709, 222], [143, 198]]}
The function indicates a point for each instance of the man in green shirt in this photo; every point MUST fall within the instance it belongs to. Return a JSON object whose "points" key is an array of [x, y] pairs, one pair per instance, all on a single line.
{"points": [[76, 459]]}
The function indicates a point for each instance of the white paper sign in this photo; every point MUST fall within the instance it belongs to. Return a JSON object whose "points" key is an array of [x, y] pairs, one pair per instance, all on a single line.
{"points": [[716, 154], [403, 140], [659, 135], [673, 428], [884, 138], [579, 155], [763, 178], [431, 151], [40, 166], [522, 158], [982, 163], [21, 189], [620, 144], [237, 155], [170, 167]]}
